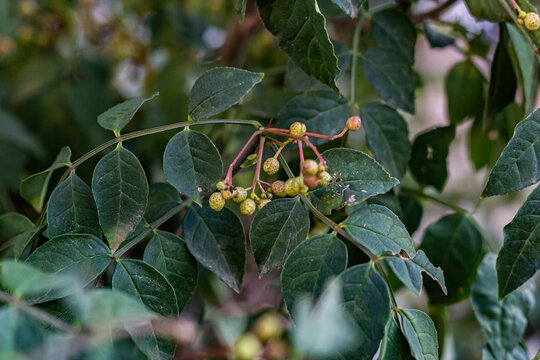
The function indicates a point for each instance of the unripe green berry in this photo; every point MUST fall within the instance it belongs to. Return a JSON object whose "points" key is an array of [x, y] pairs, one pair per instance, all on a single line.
{"points": [[304, 189], [247, 207], [354, 123], [254, 197], [217, 202], [321, 168], [522, 14], [226, 194], [532, 21], [247, 347], [271, 166], [324, 176], [298, 129], [292, 188], [239, 195], [262, 203], [310, 167], [278, 188], [221, 186]]}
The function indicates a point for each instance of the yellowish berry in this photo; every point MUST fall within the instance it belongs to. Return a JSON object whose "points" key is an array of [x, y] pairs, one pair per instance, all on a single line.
{"points": [[217, 202], [262, 203], [271, 166], [268, 326], [226, 194], [278, 188], [298, 129], [304, 189], [310, 167], [247, 207], [292, 187], [324, 176], [520, 21], [254, 196], [221, 186], [247, 347], [532, 21], [354, 123], [239, 195], [322, 168], [522, 14]]}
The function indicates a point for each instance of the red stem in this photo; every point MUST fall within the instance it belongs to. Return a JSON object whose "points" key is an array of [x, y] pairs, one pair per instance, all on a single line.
{"points": [[515, 4], [228, 178], [301, 150], [326, 137], [314, 148], [259, 161]]}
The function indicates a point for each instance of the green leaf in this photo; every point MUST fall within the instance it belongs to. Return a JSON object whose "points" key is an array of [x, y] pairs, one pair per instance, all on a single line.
{"points": [[391, 76], [503, 81], [192, 164], [518, 165], [366, 299], [19, 332], [218, 89], [121, 192], [276, 230], [503, 322], [24, 243], [301, 31], [144, 282], [518, 353], [169, 255], [25, 281], [12, 227], [387, 137], [323, 112], [429, 152], [72, 209], [349, 7], [82, 256], [421, 334], [394, 344], [217, 241], [117, 117], [411, 212], [519, 258], [409, 271], [436, 38], [487, 9], [310, 266], [380, 230], [324, 328], [465, 91], [356, 177], [162, 197], [456, 245], [34, 188], [528, 66], [240, 8], [394, 30], [106, 307]]}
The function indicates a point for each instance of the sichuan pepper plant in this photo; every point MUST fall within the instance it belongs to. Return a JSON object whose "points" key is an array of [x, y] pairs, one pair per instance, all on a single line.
{"points": [[106, 269]]}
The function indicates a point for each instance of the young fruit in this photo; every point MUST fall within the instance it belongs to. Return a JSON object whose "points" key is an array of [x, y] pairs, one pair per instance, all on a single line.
{"points": [[217, 202], [254, 197], [262, 203], [532, 21], [354, 123], [321, 168], [324, 178], [304, 189], [292, 188], [247, 207], [522, 14], [247, 347], [239, 195], [278, 188], [310, 167], [268, 326], [271, 166], [221, 186], [298, 129], [311, 181], [226, 194]]}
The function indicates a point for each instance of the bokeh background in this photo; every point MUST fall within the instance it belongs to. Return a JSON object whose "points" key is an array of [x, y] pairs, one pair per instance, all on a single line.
{"points": [[63, 62]]}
